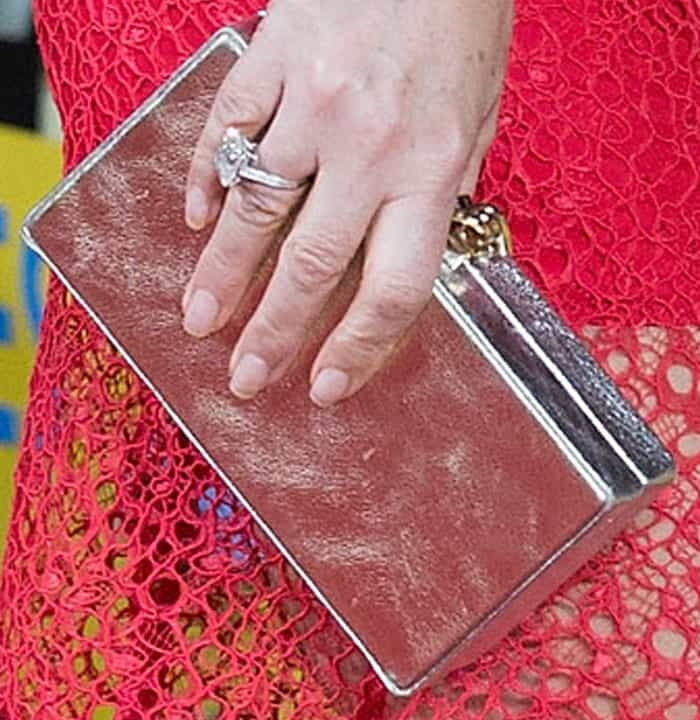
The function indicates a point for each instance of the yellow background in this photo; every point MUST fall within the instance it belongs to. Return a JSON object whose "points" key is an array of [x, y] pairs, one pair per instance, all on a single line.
{"points": [[29, 166]]}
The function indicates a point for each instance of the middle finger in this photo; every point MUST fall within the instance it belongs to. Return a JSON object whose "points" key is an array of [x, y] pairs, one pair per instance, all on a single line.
{"points": [[313, 259]]}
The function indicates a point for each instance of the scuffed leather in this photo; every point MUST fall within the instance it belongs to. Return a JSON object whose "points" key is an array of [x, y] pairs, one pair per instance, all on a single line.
{"points": [[436, 459]]}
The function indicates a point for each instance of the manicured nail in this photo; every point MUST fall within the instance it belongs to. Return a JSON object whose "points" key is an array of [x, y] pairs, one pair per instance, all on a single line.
{"points": [[330, 387], [196, 209], [250, 377], [201, 314]]}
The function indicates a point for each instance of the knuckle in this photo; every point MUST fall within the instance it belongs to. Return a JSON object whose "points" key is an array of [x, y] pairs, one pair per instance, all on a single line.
{"points": [[219, 271], [359, 340], [360, 346], [201, 164], [273, 330], [449, 153], [201, 167], [234, 107], [325, 85], [377, 131], [398, 301], [220, 261], [259, 208], [454, 146], [393, 120], [313, 261]]}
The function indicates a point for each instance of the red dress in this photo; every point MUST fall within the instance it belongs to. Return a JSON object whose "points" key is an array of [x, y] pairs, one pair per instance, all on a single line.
{"points": [[134, 585]]}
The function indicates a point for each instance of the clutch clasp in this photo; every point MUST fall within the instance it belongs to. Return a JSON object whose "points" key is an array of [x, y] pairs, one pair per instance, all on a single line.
{"points": [[478, 231]]}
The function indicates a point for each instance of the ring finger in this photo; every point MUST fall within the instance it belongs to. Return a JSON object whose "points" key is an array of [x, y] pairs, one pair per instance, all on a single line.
{"points": [[251, 219]]}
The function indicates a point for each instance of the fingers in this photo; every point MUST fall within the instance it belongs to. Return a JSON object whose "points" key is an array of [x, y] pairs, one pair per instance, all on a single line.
{"points": [[247, 100], [403, 258], [250, 220], [312, 261], [406, 240]]}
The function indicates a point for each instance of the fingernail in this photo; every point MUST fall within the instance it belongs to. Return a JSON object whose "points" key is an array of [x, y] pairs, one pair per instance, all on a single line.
{"points": [[196, 209], [201, 314], [250, 377], [330, 387]]}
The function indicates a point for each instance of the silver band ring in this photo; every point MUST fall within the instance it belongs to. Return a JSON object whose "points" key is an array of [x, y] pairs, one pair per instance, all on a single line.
{"points": [[236, 159]]}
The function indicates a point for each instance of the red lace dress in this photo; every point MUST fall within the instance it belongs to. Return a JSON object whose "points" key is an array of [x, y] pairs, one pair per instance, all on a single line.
{"points": [[135, 587]]}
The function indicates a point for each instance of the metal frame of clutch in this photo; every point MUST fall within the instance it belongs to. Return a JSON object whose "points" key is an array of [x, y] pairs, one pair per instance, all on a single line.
{"points": [[539, 359]]}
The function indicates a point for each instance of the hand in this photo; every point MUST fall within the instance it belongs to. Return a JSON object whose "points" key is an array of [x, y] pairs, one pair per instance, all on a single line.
{"points": [[391, 105]]}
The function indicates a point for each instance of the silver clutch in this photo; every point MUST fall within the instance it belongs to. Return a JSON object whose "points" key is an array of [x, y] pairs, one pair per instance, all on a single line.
{"points": [[430, 513]]}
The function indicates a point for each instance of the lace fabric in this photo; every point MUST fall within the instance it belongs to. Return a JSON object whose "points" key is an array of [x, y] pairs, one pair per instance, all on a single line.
{"points": [[136, 587]]}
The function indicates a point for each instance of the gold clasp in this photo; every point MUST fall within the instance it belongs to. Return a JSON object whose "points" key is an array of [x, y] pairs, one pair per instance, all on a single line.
{"points": [[478, 231]]}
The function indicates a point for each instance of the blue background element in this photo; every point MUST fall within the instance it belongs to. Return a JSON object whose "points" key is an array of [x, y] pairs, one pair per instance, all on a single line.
{"points": [[3, 224], [6, 333], [9, 426]]}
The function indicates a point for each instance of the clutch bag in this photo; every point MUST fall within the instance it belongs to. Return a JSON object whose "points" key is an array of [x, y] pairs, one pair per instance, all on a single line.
{"points": [[482, 466]]}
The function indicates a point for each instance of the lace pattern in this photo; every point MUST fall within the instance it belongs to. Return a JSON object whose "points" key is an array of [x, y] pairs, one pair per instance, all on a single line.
{"points": [[134, 585]]}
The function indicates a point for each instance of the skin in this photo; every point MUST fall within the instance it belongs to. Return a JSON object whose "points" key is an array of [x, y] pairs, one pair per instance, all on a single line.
{"points": [[390, 106]]}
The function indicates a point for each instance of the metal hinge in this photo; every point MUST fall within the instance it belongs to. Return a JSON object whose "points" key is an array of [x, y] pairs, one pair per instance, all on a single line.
{"points": [[478, 231]]}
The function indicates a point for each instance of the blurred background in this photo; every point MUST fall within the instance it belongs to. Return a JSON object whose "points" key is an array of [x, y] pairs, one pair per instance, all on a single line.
{"points": [[30, 163]]}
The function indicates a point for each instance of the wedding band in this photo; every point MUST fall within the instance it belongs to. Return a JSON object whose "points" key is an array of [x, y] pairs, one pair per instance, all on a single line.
{"points": [[236, 159]]}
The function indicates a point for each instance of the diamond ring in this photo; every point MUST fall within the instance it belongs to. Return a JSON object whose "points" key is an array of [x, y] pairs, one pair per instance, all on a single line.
{"points": [[236, 159]]}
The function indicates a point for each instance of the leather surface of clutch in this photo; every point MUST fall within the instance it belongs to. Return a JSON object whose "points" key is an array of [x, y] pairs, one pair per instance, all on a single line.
{"points": [[433, 510]]}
